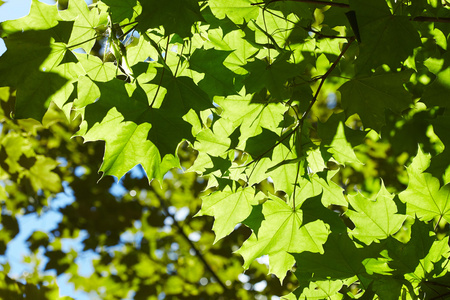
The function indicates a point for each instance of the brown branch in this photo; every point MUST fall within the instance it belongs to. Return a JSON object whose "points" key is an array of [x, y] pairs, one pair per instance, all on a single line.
{"points": [[344, 5], [337, 4], [442, 296], [430, 19], [296, 180], [191, 244], [324, 77], [162, 73]]}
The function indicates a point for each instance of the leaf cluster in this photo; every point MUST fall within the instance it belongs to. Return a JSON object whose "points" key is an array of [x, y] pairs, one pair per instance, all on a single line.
{"points": [[293, 121]]}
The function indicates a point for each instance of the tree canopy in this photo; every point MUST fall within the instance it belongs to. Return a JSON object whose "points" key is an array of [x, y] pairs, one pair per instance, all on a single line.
{"points": [[312, 133]]}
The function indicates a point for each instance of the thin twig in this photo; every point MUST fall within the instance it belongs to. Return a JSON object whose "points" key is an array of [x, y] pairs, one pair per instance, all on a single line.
{"points": [[128, 31], [344, 5], [430, 19], [442, 296], [321, 35], [162, 73], [295, 182], [337, 4], [191, 244], [437, 223], [178, 64], [81, 43], [300, 124], [324, 77], [273, 147]]}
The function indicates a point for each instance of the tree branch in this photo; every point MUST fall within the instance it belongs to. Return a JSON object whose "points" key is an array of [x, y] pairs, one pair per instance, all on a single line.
{"points": [[324, 77], [344, 5], [191, 244], [337, 4], [430, 19]]}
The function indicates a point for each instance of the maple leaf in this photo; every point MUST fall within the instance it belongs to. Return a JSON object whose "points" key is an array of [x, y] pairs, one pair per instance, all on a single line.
{"points": [[281, 232], [178, 16], [36, 79], [340, 138], [440, 163], [85, 21], [374, 219], [218, 80], [385, 38], [42, 16], [424, 196], [320, 183], [436, 93], [121, 9], [237, 11], [232, 41], [132, 119], [377, 92], [341, 260], [272, 76], [229, 207], [251, 117]]}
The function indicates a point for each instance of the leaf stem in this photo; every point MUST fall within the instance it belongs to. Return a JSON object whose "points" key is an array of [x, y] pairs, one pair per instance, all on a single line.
{"points": [[162, 73], [437, 223], [273, 147], [295, 183], [300, 124], [81, 43], [324, 77], [178, 64], [128, 31]]}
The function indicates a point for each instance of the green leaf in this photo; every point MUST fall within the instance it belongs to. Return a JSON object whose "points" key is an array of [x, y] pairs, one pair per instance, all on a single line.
{"points": [[229, 208], [140, 52], [250, 116], [177, 16], [262, 144], [424, 196], [385, 38], [374, 219], [96, 69], [129, 144], [215, 142], [406, 256], [377, 92], [233, 41], [440, 163], [325, 289], [218, 80], [341, 260], [340, 139], [121, 9], [281, 233], [182, 94], [42, 16], [38, 77], [271, 76], [436, 93], [237, 11], [315, 184], [85, 21]]}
